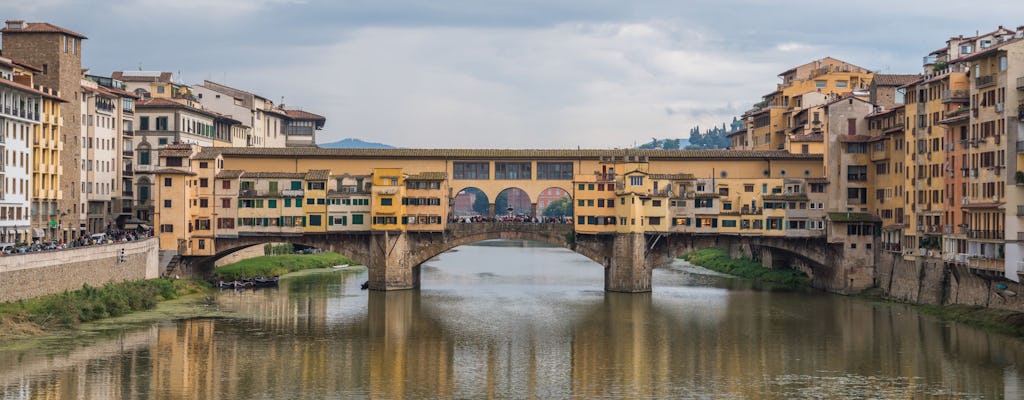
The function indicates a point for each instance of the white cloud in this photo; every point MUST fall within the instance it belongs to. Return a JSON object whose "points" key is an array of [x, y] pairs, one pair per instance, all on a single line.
{"points": [[600, 85], [792, 46]]}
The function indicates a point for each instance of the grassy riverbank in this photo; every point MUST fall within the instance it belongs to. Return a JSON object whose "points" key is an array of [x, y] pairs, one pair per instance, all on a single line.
{"points": [[71, 308], [267, 266], [718, 260], [990, 319]]}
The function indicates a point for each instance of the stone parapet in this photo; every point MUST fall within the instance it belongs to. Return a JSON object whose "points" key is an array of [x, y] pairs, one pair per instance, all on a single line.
{"points": [[29, 275]]}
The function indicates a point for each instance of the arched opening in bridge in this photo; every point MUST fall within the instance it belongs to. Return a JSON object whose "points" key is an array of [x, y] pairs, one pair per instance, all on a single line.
{"points": [[511, 267], [513, 202], [471, 202], [554, 203]]}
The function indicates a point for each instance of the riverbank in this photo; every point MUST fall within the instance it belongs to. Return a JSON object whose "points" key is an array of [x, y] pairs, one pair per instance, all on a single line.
{"points": [[71, 308], [990, 319], [268, 266], [718, 260]]}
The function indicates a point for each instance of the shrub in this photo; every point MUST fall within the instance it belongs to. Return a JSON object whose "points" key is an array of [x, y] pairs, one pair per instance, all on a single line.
{"points": [[268, 266], [718, 260]]}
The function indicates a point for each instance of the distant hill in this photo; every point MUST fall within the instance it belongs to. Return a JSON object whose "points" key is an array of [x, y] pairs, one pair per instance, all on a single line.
{"points": [[665, 144], [353, 143]]}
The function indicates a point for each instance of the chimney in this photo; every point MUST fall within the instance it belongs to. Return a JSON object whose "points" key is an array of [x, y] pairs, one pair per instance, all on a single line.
{"points": [[15, 24]]}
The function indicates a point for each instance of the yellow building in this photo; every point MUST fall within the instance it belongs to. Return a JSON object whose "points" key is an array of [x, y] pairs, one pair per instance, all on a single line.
{"points": [[348, 203], [386, 199], [771, 120]]}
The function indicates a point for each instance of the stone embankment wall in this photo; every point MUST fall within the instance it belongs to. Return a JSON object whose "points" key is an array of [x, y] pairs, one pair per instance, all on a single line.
{"points": [[244, 254], [931, 282], [29, 275]]}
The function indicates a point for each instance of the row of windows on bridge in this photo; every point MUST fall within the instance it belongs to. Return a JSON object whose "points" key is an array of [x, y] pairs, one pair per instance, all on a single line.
{"points": [[512, 170]]}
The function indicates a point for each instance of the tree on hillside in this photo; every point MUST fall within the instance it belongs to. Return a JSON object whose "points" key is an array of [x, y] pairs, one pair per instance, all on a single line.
{"points": [[559, 208]]}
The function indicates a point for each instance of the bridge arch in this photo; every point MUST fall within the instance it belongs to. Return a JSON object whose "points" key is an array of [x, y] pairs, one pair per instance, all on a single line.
{"points": [[470, 201], [459, 234], [551, 195], [514, 200], [491, 188]]}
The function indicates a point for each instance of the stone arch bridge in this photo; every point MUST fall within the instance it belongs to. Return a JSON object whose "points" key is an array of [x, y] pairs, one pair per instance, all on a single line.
{"points": [[393, 258]]}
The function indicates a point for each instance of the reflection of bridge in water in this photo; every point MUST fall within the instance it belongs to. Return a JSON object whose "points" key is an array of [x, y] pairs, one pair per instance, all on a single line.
{"points": [[394, 259], [402, 344]]}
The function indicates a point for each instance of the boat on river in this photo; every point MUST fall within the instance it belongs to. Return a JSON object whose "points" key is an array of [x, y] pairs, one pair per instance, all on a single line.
{"points": [[251, 283]]}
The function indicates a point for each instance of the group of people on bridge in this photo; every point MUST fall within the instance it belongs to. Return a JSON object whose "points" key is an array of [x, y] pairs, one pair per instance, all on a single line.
{"points": [[526, 219]]}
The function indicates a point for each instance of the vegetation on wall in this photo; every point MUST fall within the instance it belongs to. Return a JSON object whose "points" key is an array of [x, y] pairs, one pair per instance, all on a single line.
{"points": [[269, 266], [718, 260], [68, 309]]}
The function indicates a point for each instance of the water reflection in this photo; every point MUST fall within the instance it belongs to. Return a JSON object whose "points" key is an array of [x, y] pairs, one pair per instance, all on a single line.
{"points": [[528, 323]]}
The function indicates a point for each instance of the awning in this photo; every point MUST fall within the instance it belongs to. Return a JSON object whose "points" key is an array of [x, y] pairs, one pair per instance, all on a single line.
{"points": [[144, 226], [38, 232], [131, 225]]}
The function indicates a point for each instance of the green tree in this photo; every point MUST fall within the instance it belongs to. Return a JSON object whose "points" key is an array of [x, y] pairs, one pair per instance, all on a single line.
{"points": [[480, 204], [559, 208]]}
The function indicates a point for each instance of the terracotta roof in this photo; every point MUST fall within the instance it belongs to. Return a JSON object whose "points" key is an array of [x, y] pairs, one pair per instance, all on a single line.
{"points": [[173, 171], [318, 174], [814, 137], [99, 90], [132, 76], [120, 92], [299, 114], [739, 131], [165, 103], [853, 138], [883, 112], [673, 177], [982, 205], [846, 96], [987, 52], [894, 129], [428, 176], [270, 175], [33, 90], [41, 27], [785, 197], [336, 193], [165, 152], [852, 217], [894, 79], [11, 63], [229, 174], [718, 154]]}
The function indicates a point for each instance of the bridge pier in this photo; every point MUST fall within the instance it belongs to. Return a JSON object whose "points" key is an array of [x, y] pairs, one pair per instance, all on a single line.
{"points": [[390, 266], [626, 268]]}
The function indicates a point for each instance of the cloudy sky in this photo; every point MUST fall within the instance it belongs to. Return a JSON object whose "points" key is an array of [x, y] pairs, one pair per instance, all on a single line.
{"points": [[510, 74]]}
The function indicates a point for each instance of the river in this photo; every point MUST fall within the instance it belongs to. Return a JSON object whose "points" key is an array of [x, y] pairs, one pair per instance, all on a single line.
{"points": [[520, 320]]}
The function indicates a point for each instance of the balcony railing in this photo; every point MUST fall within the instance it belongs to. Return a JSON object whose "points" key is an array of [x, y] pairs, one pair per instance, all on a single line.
{"points": [[955, 96], [988, 264], [984, 81], [976, 234]]}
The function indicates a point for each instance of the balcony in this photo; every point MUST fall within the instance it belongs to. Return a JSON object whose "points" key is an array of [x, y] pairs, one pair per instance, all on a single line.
{"points": [[987, 264], [988, 235], [747, 210], [956, 96], [892, 247], [984, 81]]}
